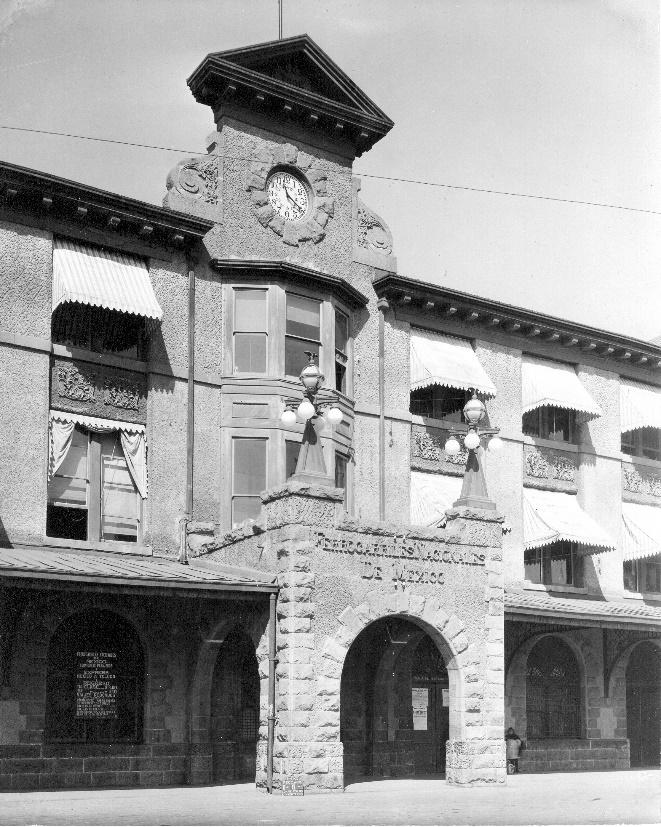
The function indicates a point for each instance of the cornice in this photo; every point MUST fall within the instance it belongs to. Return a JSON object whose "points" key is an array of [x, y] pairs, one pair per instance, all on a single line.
{"points": [[273, 269], [525, 324], [44, 198], [220, 80]]}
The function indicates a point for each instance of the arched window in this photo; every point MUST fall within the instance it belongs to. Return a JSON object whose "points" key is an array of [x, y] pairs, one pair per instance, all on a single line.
{"points": [[95, 678], [553, 691]]}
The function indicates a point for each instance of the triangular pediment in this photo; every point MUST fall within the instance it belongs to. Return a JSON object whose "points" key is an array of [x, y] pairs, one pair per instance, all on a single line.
{"points": [[299, 73], [299, 62]]}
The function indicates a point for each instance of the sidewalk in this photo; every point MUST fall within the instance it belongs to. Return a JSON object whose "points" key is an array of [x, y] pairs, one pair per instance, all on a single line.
{"points": [[631, 797]]}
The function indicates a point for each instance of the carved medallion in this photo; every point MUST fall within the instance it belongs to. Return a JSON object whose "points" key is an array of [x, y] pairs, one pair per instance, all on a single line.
{"points": [[372, 233], [72, 384]]}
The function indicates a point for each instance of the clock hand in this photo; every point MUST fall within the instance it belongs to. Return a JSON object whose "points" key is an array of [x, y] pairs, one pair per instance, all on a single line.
{"points": [[292, 199]]}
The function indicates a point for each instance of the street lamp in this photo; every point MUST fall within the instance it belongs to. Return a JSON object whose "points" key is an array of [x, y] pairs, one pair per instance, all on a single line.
{"points": [[311, 467], [474, 489]]}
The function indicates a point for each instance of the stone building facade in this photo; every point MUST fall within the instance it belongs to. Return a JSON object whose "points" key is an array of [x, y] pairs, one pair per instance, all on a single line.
{"points": [[179, 606]]}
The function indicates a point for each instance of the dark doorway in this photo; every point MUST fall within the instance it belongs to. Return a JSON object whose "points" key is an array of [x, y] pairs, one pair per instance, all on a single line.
{"points": [[394, 705], [643, 680], [235, 710]]}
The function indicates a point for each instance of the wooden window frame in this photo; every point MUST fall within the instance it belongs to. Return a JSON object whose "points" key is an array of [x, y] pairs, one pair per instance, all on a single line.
{"points": [[94, 493], [255, 288], [544, 557], [633, 444], [246, 435]]}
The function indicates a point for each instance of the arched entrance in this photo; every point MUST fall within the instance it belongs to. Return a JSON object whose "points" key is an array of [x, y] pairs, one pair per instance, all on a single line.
{"points": [[394, 703], [235, 710], [643, 682]]}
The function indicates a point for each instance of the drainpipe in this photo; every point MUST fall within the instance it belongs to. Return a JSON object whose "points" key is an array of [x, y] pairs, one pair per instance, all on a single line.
{"points": [[271, 713], [190, 415], [383, 306]]}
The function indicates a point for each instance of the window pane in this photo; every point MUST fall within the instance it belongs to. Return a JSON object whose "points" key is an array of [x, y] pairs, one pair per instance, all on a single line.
{"points": [[438, 402], [295, 358], [292, 450], [341, 331], [245, 508], [250, 352], [559, 421], [650, 443], [560, 565], [653, 577], [119, 499], [340, 471], [533, 565], [68, 487], [250, 310], [530, 424], [302, 317], [630, 576], [340, 377], [249, 469]]}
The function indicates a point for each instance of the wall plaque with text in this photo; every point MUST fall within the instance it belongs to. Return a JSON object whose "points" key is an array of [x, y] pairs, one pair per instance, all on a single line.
{"points": [[96, 685]]}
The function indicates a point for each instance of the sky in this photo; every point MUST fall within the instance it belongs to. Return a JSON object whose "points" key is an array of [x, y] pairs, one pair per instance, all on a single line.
{"points": [[555, 98]]}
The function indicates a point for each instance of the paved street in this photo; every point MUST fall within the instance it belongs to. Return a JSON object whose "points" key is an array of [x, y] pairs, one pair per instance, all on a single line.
{"points": [[632, 797]]}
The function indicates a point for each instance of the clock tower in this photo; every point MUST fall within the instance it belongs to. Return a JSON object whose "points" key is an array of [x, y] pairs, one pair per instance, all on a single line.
{"points": [[277, 177]]}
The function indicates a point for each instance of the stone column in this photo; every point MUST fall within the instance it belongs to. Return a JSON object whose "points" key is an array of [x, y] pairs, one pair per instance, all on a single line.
{"points": [[476, 753], [307, 742]]}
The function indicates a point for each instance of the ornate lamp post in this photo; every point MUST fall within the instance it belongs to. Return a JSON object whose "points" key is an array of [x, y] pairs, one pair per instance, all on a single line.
{"points": [[474, 492], [311, 467]]}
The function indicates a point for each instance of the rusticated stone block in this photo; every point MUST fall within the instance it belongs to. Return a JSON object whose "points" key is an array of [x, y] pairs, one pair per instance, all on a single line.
{"points": [[295, 624], [316, 765], [454, 627]]}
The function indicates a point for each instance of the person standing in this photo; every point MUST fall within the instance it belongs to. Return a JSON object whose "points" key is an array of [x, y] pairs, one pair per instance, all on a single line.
{"points": [[513, 748]]}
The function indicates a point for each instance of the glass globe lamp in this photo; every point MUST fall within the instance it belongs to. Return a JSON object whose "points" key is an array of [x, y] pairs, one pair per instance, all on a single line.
{"points": [[452, 447], [305, 410], [495, 444], [471, 440], [474, 410], [334, 416], [288, 418]]}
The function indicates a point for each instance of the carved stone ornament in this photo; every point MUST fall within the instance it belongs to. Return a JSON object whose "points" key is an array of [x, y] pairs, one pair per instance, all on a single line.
{"points": [[640, 481], [121, 393], [372, 233], [430, 447], [293, 233], [549, 464], [193, 186], [72, 384]]}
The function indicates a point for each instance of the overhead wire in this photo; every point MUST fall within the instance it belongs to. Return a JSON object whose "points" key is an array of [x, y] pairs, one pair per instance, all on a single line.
{"points": [[419, 182]]}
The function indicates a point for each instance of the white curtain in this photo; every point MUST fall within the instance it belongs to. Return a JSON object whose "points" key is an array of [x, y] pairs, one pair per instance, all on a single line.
{"points": [[60, 442], [135, 452], [134, 445]]}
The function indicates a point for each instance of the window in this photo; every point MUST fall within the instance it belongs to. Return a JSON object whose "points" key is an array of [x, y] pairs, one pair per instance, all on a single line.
{"points": [[248, 478], [94, 683], [99, 330], [439, 402], [303, 332], [250, 338], [552, 691], [642, 575], [557, 564], [341, 350], [341, 463], [547, 422], [92, 496], [643, 442], [292, 450]]}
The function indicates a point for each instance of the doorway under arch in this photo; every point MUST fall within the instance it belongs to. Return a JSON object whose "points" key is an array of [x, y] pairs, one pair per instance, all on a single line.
{"points": [[394, 703], [643, 683], [235, 710]]}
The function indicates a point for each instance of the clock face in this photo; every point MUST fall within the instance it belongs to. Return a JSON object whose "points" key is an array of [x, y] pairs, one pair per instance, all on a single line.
{"points": [[288, 196]]}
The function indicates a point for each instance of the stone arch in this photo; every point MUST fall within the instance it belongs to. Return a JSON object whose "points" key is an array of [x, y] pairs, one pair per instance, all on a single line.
{"points": [[617, 685], [515, 679], [447, 632], [202, 673]]}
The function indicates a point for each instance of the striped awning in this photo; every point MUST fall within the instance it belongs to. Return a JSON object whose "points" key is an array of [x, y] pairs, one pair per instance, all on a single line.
{"points": [[640, 406], [641, 531], [431, 496], [102, 278], [446, 360], [556, 385], [552, 516], [96, 423]]}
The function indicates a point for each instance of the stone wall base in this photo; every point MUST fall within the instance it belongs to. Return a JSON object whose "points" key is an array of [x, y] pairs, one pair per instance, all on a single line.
{"points": [[67, 766], [317, 765], [571, 754], [472, 763]]}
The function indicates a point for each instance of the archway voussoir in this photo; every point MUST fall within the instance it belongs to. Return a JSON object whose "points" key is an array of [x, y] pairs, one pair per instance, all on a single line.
{"points": [[376, 604], [440, 621], [416, 604], [402, 602], [334, 651], [350, 619], [460, 642], [453, 628]]}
